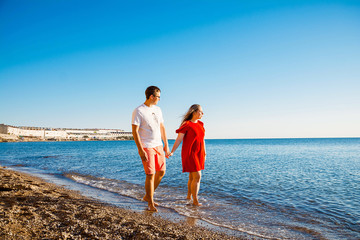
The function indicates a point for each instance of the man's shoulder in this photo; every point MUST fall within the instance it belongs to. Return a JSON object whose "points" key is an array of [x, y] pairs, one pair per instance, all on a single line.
{"points": [[144, 108], [157, 108], [139, 108]]}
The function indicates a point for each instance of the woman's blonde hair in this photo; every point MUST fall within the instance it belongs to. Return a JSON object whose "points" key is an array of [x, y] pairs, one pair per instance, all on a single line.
{"points": [[188, 116]]}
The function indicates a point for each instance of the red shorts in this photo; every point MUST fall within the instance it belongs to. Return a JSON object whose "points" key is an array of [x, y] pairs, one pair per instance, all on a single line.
{"points": [[155, 160]]}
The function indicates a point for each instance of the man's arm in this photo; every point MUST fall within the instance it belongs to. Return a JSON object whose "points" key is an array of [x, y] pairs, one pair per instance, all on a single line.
{"points": [[164, 138], [135, 133]]}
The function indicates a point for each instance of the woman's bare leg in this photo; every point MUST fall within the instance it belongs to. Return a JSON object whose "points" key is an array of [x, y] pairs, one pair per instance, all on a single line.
{"points": [[189, 187], [195, 186]]}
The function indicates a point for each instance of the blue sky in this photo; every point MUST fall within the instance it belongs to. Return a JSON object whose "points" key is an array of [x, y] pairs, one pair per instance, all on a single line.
{"points": [[260, 69]]}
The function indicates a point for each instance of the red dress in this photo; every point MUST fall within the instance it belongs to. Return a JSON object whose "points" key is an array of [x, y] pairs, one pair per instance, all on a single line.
{"points": [[193, 149]]}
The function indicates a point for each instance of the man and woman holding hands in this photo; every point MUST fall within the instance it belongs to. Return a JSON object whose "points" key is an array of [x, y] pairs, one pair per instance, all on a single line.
{"points": [[149, 134]]}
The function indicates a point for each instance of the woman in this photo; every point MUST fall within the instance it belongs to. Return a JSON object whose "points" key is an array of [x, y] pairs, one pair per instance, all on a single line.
{"points": [[193, 149]]}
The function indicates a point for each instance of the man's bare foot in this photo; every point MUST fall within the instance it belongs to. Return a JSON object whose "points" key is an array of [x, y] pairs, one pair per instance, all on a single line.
{"points": [[152, 209], [188, 197], [146, 200], [196, 203]]}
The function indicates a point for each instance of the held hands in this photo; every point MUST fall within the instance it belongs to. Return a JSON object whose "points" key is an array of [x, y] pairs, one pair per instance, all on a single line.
{"points": [[167, 151], [169, 154]]}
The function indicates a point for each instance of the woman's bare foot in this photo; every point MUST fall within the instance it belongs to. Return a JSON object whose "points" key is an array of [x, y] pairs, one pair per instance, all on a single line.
{"points": [[196, 203], [152, 209], [147, 200]]}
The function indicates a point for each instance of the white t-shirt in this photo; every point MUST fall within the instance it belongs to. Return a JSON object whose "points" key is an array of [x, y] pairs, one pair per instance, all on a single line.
{"points": [[148, 119]]}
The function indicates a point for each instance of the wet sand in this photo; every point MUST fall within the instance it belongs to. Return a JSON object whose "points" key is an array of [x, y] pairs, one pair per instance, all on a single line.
{"points": [[31, 208]]}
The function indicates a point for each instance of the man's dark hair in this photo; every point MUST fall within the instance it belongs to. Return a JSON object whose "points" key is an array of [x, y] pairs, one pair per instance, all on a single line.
{"points": [[151, 91]]}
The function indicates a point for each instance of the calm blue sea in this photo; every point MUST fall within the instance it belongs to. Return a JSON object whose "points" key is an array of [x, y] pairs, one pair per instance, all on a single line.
{"points": [[270, 188]]}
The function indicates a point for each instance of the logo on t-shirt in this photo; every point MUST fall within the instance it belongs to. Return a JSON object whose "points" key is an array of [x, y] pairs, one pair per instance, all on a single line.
{"points": [[155, 118]]}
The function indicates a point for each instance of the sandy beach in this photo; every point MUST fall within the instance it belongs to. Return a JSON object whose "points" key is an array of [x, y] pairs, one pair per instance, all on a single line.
{"points": [[31, 208]]}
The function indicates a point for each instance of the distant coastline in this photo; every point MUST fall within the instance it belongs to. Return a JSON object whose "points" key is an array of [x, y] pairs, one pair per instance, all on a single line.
{"points": [[10, 133]]}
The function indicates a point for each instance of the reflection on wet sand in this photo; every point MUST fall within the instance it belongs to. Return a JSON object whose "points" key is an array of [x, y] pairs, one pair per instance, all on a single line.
{"points": [[191, 221]]}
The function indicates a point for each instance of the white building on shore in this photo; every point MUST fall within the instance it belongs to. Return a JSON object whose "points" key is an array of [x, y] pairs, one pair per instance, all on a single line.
{"points": [[63, 134]]}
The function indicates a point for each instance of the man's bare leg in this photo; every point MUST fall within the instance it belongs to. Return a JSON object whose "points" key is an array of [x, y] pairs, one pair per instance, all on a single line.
{"points": [[157, 179], [149, 189], [195, 186]]}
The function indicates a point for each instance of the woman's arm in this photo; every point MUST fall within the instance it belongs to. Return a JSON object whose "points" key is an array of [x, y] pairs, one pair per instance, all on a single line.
{"points": [[178, 140], [205, 148]]}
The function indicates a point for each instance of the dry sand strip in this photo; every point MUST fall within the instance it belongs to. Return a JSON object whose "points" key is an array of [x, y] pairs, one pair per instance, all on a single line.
{"points": [[31, 208]]}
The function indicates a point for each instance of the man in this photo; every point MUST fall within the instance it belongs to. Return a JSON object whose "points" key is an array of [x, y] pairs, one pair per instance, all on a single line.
{"points": [[148, 130]]}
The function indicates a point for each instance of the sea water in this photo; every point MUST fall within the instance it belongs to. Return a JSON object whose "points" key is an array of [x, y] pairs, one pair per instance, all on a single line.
{"points": [[265, 188]]}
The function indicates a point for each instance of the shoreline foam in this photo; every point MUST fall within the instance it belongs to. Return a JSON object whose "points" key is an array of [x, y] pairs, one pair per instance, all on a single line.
{"points": [[32, 208]]}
